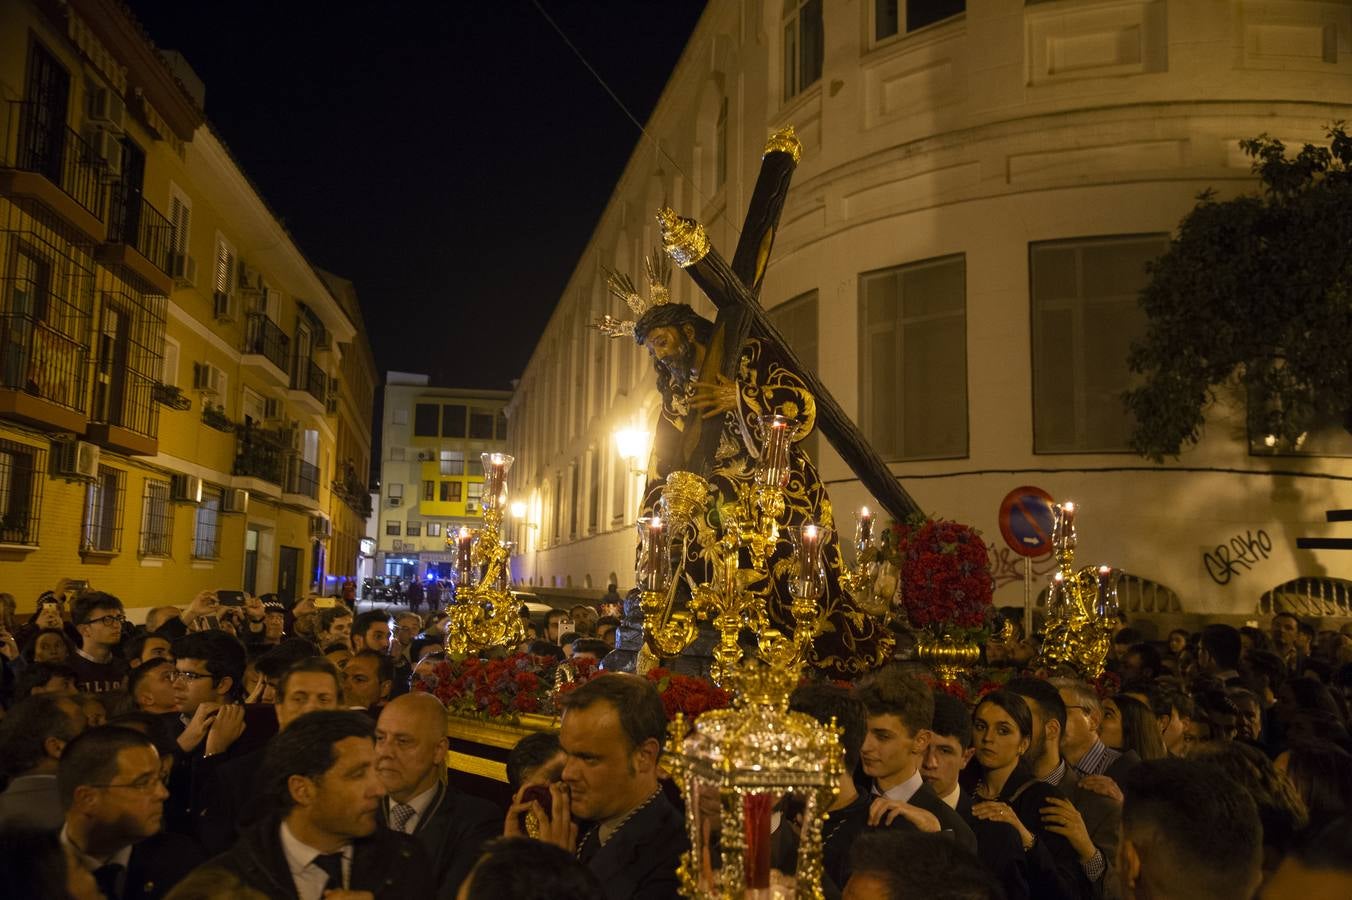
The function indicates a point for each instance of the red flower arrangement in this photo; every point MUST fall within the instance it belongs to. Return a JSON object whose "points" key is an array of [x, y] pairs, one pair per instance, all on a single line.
{"points": [[946, 579], [687, 695]]}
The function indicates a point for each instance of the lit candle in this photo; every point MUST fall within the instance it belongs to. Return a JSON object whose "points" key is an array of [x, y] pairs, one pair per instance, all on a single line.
{"points": [[807, 546], [772, 469], [653, 558], [863, 531], [464, 544], [495, 478]]}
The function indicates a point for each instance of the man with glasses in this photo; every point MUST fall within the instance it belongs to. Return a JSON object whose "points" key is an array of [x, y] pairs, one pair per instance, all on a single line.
{"points": [[99, 619], [109, 780]]}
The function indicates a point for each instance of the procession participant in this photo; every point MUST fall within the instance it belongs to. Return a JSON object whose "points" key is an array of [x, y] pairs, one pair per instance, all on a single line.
{"points": [[633, 838], [452, 826]]}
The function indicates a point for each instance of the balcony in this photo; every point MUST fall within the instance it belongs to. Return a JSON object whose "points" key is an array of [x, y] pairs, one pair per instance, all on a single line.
{"points": [[353, 490], [48, 162], [266, 346], [302, 484], [43, 371], [309, 386], [260, 459], [140, 239]]}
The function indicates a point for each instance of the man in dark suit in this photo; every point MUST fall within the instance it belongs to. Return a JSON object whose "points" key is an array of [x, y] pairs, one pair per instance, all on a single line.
{"points": [[320, 772], [452, 826], [32, 736], [633, 838], [109, 781], [1095, 835], [900, 715]]}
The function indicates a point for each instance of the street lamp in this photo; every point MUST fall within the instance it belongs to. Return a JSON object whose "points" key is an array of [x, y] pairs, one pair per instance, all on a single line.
{"points": [[632, 444], [518, 509]]}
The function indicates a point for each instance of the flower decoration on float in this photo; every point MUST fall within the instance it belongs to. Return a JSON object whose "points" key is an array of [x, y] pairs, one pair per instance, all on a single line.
{"points": [[1082, 605], [482, 612]]}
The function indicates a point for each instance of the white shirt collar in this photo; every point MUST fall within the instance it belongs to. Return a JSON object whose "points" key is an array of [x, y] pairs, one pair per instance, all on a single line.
{"points": [[420, 805], [300, 856], [952, 798], [121, 857], [904, 791]]}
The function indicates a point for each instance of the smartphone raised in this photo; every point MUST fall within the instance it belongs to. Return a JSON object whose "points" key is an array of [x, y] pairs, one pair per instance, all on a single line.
{"points": [[230, 598], [325, 603]]}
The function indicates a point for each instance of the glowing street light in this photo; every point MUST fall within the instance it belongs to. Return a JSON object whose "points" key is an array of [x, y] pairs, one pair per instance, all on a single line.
{"points": [[632, 444]]}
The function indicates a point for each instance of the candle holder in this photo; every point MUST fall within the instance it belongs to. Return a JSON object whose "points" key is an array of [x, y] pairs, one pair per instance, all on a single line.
{"points": [[483, 614], [1081, 605]]}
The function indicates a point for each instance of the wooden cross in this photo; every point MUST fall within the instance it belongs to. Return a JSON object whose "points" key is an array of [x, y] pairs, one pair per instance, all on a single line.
{"points": [[734, 289]]}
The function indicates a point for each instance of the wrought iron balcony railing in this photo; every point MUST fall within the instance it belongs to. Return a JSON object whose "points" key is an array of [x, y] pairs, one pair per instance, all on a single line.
{"points": [[50, 148], [266, 338], [309, 377], [34, 356], [134, 222], [261, 453]]}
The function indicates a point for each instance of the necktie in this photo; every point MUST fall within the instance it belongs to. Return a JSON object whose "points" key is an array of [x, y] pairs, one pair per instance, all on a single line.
{"points": [[105, 877], [332, 864], [400, 813]]}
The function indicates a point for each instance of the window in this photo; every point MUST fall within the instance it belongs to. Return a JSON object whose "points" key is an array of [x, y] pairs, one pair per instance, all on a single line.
{"points": [[425, 420], [169, 363], [434, 529], [500, 427], [450, 492], [802, 45], [399, 417], [452, 462], [913, 359], [1085, 316], [102, 530], [575, 476], [223, 282], [397, 454], [594, 494], [392, 527], [481, 425], [474, 490], [157, 519], [429, 490], [180, 219], [797, 321], [206, 542], [20, 492], [475, 467], [412, 529], [396, 489], [919, 13], [453, 421], [721, 145]]}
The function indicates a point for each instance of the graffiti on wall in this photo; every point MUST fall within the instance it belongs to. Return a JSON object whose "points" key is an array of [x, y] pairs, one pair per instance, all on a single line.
{"points": [[1237, 555]]}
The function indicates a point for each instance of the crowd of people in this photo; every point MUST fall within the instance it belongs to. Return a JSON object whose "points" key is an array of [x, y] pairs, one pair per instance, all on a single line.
{"points": [[235, 747]]}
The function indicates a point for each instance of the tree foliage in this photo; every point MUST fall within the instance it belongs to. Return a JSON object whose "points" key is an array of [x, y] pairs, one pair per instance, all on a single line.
{"points": [[1254, 290]]}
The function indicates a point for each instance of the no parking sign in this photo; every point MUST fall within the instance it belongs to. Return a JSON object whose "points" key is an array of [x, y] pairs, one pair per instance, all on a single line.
{"points": [[1026, 520]]}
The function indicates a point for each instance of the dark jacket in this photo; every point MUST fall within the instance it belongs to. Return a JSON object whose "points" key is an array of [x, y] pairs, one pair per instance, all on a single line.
{"points": [[1053, 867], [949, 820], [232, 799], [1103, 820], [390, 865], [639, 861], [157, 864], [453, 832], [999, 849]]}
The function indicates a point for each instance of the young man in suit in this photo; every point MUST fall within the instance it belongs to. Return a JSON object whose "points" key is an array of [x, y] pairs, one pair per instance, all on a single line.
{"points": [[32, 736], [452, 826], [320, 772], [109, 780], [900, 715]]}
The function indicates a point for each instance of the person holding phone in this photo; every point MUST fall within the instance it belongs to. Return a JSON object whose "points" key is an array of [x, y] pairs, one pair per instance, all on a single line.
{"points": [[99, 618]]}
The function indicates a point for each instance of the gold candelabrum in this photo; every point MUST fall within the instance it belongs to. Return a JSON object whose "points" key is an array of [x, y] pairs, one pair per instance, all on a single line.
{"points": [[736, 767], [1081, 605], [483, 613], [750, 529]]}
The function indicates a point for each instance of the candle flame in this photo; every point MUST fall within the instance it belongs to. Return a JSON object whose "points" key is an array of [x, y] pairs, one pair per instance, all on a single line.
{"points": [[864, 513], [655, 524], [1069, 506], [810, 531]]}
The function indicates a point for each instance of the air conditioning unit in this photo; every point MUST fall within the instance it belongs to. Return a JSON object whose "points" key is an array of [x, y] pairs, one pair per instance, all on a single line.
{"points": [[395, 501], [248, 278], [471, 506], [426, 456], [236, 501], [320, 527], [207, 378], [224, 307], [107, 108], [77, 459], [272, 409], [185, 489], [184, 270], [331, 405], [106, 147]]}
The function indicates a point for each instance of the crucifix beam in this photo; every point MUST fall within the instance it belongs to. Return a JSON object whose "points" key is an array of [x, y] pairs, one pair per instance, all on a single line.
{"points": [[689, 247]]}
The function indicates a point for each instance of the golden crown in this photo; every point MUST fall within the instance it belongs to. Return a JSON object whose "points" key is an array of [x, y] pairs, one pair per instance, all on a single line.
{"points": [[621, 285]]}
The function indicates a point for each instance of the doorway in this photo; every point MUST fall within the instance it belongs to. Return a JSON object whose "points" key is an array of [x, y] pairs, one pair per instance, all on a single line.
{"points": [[288, 567]]}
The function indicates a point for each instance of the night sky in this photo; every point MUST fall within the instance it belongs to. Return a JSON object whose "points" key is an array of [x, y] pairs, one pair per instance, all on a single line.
{"points": [[450, 158]]}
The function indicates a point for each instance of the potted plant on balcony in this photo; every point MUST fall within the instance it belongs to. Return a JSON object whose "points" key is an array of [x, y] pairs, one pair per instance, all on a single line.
{"points": [[214, 416]]}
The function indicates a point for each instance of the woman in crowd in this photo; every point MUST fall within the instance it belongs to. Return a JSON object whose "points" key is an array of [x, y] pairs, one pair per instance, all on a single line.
{"points": [[1321, 773], [1004, 790], [1128, 724]]}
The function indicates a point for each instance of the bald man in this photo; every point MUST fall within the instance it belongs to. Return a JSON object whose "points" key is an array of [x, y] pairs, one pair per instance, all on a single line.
{"points": [[411, 749]]}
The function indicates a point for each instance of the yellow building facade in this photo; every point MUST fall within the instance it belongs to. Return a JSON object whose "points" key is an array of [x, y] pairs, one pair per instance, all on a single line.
{"points": [[185, 401]]}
